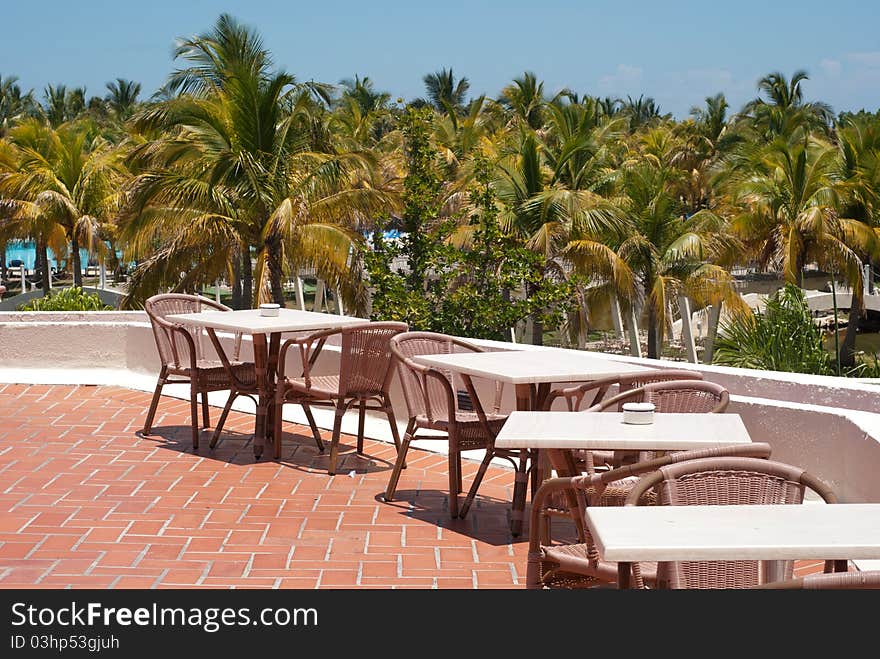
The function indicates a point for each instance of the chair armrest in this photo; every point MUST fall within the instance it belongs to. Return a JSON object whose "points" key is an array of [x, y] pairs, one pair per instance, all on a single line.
{"points": [[574, 396], [307, 349], [174, 328]]}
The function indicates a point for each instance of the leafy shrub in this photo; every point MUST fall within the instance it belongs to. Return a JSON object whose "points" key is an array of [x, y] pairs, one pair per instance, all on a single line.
{"points": [[67, 299], [781, 338]]}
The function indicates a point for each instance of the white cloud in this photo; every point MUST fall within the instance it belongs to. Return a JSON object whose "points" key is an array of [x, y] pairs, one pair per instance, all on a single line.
{"points": [[867, 58], [623, 75], [830, 67]]}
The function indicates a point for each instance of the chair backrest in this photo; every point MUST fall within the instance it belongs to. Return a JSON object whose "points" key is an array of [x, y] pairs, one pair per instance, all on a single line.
{"points": [[173, 351], [719, 482], [426, 396], [366, 359], [687, 396], [672, 396]]}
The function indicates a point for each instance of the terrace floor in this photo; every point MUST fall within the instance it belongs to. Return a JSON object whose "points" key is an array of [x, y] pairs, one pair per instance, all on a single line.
{"points": [[87, 502]]}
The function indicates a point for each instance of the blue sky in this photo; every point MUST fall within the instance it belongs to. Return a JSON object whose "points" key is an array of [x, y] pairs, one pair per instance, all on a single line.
{"points": [[676, 51]]}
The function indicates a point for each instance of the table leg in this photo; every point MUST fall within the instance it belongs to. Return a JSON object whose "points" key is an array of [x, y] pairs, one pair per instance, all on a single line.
{"points": [[624, 572], [272, 378], [265, 392]]}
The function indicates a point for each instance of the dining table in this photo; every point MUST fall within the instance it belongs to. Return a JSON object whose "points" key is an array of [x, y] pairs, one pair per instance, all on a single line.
{"points": [[531, 372], [265, 332], [837, 532]]}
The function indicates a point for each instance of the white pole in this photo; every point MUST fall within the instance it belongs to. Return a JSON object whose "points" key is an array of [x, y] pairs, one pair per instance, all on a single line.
{"points": [[298, 286], [687, 335], [616, 318], [339, 303], [102, 276], [319, 296], [635, 346], [23, 280], [217, 291]]}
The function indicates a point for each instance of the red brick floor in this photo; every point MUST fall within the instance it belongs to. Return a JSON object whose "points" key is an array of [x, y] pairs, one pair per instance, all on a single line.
{"points": [[87, 502]]}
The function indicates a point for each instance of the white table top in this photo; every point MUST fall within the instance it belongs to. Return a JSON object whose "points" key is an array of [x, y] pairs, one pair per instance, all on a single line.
{"points": [[249, 321], [606, 430], [769, 532], [531, 366]]}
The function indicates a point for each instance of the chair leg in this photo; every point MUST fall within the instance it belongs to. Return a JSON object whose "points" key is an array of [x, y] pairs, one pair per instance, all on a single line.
{"points": [[206, 415], [399, 463], [362, 412], [194, 413], [154, 404], [472, 492], [222, 420], [395, 433], [334, 442], [313, 426]]}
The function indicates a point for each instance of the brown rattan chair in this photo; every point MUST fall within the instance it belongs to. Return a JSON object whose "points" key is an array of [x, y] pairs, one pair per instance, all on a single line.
{"points": [[184, 360], [577, 564], [575, 397], [866, 580], [439, 400], [719, 482], [364, 377], [695, 396]]}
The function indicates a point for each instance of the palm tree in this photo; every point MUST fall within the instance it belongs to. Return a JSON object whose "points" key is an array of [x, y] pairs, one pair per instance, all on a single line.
{"points": [[445, 94], [13, 104], [641, 112], [234, 168], [791, 205], [784, 110], [561, 222], [64, 183], [858, 170], [525, 100], [122, 97], [63, 104], [668, 253]]}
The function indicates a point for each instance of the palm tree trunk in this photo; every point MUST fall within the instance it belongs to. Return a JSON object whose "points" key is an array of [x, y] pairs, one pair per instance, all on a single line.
{"points": [[273, 252], [653, 333], [77, 263], [43, 261], [3, 261], [247, 277], [537, 325]]}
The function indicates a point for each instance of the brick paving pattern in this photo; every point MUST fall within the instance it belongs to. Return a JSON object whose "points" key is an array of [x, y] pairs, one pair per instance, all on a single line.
{"points": [[87, 502]]}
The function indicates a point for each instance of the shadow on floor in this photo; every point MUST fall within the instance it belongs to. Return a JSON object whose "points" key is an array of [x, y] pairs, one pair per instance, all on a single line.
{"points": [[488, 519], [298, 451]]}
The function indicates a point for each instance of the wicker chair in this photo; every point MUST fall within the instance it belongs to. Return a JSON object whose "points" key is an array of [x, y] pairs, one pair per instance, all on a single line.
{"points": [[574, 396], [183, 356], [724, 481], [867, 580], [577, 564], [438, 400], [696, 396], [364, 377]]}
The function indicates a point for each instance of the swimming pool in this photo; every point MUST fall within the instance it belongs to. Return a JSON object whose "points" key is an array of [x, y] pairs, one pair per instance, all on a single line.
{"points": [[26, 252]]}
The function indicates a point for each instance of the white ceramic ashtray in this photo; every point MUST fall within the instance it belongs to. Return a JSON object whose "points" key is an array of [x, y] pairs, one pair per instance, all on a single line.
{"points": [[638, 413], [269, 309]]}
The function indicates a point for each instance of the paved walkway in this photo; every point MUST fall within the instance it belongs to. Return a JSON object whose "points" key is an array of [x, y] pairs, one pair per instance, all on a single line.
{"points": [[86, 502]]}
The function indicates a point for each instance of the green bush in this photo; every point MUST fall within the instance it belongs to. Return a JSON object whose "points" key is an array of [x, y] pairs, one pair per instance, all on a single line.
{"points": [[67, 299], [781, 338]]}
